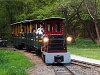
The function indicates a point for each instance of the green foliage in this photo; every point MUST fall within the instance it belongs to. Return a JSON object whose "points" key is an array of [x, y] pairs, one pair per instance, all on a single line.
{"points": [[21, 17], [85, 43], [13, 62], [86, 16], [12, 11], [86, 48]]}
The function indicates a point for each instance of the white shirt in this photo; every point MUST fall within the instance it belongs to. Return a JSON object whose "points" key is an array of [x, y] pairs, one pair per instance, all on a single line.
{"points": [[39, 31]]}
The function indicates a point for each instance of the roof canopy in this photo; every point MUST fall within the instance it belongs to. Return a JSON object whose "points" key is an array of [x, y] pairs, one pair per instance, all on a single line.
{"points": [[38, 20]]}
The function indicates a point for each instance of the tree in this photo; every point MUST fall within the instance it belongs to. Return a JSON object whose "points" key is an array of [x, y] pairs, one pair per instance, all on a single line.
{"points": [[70, 14], [83, 17], [74, 11], [93, 13]]}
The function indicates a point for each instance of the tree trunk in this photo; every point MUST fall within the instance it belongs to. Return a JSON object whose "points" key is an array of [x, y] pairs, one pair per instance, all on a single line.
{"points": [[97, 30], [86, 28]]}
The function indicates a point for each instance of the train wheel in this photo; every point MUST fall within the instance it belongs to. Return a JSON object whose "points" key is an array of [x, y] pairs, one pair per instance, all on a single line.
{"points": [[43, 58], [19, 47], [33, 50], [15, 47], [40, 53], [36, 51], [28, 49]]}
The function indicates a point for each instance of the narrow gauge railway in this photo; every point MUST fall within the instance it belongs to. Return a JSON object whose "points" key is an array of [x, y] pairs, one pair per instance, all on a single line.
{"points": [[62, 70], [77, 68], [82, 63], [86, 65]]}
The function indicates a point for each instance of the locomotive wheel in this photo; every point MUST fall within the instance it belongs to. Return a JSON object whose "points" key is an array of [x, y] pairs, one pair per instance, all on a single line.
{"points": [[43, 58], [38, 52]]}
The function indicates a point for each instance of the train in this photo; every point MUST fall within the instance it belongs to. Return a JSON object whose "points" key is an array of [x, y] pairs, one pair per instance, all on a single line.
{"points": [[51, 46]]}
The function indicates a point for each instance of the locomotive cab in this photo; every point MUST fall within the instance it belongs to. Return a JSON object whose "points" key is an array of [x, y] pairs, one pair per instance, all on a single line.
{"points": [[55, 48], [54, 35]]}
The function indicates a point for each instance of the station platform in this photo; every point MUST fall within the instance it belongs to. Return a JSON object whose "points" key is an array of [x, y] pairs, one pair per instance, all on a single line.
{"points": [[84, 59]]}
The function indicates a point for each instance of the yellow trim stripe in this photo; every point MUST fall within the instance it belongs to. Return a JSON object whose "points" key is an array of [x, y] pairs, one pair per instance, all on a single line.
{"points": [[39, 40], [23, 37]]}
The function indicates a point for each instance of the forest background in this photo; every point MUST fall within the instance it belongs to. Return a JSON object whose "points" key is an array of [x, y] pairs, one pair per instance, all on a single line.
{"points": [[82, 16]]}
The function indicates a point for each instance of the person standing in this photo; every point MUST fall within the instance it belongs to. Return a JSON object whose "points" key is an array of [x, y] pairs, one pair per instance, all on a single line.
{"points": [[39, 30]]}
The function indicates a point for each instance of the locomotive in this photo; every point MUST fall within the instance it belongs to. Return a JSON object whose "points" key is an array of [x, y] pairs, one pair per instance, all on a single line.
{"points": [[51, 46]]}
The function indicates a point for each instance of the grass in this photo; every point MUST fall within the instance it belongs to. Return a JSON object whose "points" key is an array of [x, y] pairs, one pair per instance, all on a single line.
{"points": [[13, 62], [85, 48]]}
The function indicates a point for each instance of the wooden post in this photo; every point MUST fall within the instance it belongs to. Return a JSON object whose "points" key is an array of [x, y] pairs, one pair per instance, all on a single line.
{"points": [[16, 30], [30, 27], [20, 27], [27, 27]]}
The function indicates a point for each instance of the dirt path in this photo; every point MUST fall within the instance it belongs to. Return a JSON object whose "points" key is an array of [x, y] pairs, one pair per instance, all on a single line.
{"points": [[40, 67]]}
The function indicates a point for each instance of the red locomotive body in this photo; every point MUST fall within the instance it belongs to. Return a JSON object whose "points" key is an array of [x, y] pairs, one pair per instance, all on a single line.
{"points": [[54, 49]]}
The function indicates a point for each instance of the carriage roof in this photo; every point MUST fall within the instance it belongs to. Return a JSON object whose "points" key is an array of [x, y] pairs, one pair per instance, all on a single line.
{"points": [[54, 18], [38, 20], [25, 21]]}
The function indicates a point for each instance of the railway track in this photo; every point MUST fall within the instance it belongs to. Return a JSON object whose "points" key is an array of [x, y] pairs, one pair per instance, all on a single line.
{"points": [[84, 64], [77, 68], [62, 70]]}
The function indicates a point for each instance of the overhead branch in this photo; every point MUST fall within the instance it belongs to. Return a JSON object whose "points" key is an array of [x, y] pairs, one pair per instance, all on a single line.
{"points": [[88, 10]]}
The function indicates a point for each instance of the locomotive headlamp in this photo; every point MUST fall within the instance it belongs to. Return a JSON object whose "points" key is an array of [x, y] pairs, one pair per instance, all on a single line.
{"points": [[45, 39], [69, 38]]}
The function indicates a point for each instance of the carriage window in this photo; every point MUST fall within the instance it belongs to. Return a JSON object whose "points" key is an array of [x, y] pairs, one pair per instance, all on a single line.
{"points": [[57, 27], [49, 27]]}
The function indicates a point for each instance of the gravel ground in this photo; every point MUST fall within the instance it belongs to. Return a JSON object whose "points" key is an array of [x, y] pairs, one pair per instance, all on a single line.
{"points": [[40, 67], [78, 70]]}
